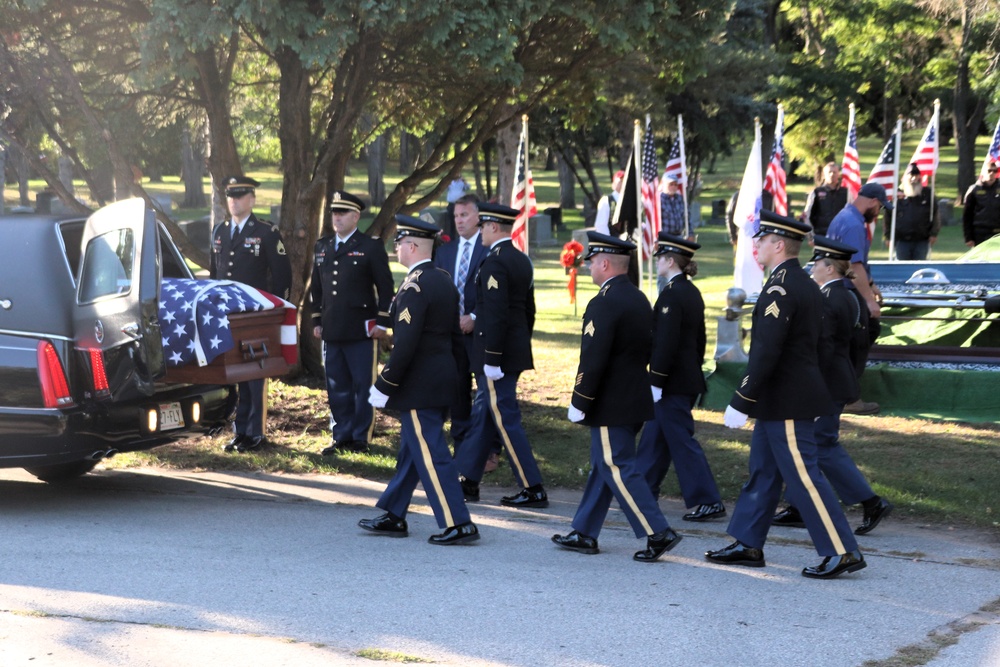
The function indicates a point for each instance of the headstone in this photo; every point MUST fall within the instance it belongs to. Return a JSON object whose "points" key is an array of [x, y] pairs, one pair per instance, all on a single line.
{"points": [[66, 173], [199, 232], [540, 231], [718, 211], [43, 201], [276, 214], [694, 213], [946, 212]]}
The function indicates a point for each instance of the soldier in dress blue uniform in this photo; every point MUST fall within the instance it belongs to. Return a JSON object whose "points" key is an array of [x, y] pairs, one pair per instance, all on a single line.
{"points": [[785, 391], [249, 250], [615, 348], [676, 379], [842, 316], [505, 318], [351, 291], [419, 380]]}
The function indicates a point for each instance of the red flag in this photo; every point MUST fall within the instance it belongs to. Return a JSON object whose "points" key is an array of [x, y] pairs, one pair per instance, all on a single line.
{"points": [[851, 168], [774, 180], [523, 197], [650, 194]]}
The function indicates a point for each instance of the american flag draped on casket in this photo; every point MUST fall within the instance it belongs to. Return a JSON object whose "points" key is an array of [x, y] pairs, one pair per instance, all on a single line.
{"points": [[208, 324]]}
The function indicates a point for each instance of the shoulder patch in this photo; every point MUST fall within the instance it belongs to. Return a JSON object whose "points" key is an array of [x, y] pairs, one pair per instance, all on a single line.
{"points": [[589, 329], [405, 316], [281, 248], [492, 283], [778, 277], [411, 281], [777, 288], [773, 310]]}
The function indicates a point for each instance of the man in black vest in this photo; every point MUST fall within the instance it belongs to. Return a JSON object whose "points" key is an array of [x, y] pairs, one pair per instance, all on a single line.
{"points": [[981, 216], [917, 225], [826, 200], [249, 250]]}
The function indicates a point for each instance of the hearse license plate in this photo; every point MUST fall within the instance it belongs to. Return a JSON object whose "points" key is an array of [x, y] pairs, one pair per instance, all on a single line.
{"points": [[171, 416]]}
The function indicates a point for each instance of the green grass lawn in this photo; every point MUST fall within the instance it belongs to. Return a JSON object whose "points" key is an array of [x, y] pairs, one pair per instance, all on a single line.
{"points": [[933, 471]]}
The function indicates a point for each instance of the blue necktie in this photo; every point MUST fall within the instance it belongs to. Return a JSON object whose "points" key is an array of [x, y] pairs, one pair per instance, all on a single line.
{"points": [[463, 274]]}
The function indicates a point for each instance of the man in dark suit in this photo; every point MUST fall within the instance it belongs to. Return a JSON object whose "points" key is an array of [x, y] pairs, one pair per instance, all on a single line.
{"points": [[351, 291], [419, 380], [505, 318], [676, 381], [461, 258], [785, 390], [610, 399], [249, 250]]}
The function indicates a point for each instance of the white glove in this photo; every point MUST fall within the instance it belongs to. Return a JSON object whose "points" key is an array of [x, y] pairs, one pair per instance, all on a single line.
{"points": [[493, 372], [734, 418], [657, 393], [376, 398], [576, 415]]}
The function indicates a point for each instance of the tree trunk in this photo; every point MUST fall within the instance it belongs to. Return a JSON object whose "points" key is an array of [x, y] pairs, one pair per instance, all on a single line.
{"points": [[192, 166], [968, 109], [507, 138], [487, 166], [405, 163], [66, 173], [477, 174], [23, 170], [376, 169], [567, 183], [3, 176]]}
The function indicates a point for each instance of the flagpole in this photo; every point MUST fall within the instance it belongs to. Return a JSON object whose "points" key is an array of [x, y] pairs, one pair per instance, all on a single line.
{"points": [[937, 138], [527, 177], [684, 189], [637, 162], [649, 258], [895, 180]]}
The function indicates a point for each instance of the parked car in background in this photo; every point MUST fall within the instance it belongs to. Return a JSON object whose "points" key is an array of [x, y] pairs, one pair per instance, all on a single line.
{"points": [[81, 357]]}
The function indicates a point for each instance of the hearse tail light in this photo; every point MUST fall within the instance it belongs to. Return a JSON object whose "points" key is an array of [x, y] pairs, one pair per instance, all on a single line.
{"points": [[196, 412], [152, 420], [98, 370], [55, 388]]}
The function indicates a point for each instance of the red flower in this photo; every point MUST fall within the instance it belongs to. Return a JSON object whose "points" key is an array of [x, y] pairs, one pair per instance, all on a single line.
{"points": [[445, 238], [571, 255]]}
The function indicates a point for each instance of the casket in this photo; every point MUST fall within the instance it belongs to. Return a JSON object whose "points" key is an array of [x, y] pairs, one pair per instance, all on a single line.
{"points": [[256, 352]]}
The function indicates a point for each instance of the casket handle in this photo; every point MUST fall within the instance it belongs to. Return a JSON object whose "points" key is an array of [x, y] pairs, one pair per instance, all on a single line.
{"points": [[254, 349]]}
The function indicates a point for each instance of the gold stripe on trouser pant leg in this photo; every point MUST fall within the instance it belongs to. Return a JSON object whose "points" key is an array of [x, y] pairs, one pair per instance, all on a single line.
{"points": [[498, 420], [817, 501], [425, 454], [616, 474], [371, 424]]}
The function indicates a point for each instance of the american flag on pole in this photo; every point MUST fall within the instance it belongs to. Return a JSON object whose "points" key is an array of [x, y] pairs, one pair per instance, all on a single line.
{"points": [[523, 197], [884, 171], [650, 194], [851, 168], [675, 163], [194, 319], [774, 180], [993, 153], [926, 155]]}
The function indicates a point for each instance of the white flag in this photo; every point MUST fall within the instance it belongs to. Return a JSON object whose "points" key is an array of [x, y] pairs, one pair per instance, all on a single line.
{"points": [[748, 274]]}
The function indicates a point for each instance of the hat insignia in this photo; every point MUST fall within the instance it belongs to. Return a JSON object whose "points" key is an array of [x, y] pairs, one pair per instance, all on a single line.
{"points": [[336, 196]]}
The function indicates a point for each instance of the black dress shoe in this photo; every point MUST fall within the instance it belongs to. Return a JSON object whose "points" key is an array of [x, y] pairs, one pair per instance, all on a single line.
{"points": [[251, 443], [737, 553], [577, 542], [358, 446], [234, 443], [461, 534], [833, 566], [387, 525], [657, 544], [470, 490], [534, 496], [706, 512], [873, 516], [788, 517]]}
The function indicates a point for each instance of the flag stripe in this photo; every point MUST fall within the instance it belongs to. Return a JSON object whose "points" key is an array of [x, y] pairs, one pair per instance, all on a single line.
{"points": [[774, 180], [650, 194], [523, 197]]}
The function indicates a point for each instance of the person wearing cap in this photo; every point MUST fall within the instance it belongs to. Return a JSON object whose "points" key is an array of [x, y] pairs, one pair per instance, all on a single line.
{"points": [[671, 205], [606, 205], [461, 257], [614, 351], [785, 392], [249, 250], [419, 381], [842, 316], [981, 215], [505, 318], [825, 200], [676, 379], [850, 226], [351, 291], [917, 225]]}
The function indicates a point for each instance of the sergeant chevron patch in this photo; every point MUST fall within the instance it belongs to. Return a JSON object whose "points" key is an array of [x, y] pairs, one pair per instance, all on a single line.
{"points": [[589, 329], [492, 283], [405, 315], [772, 309]]}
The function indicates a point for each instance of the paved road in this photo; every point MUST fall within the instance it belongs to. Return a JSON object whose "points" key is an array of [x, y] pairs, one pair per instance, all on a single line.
{"points": [[163, 568]]}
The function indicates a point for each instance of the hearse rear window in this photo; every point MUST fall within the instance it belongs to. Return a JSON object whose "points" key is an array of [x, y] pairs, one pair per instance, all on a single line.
{"points": [[107, 265]]}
